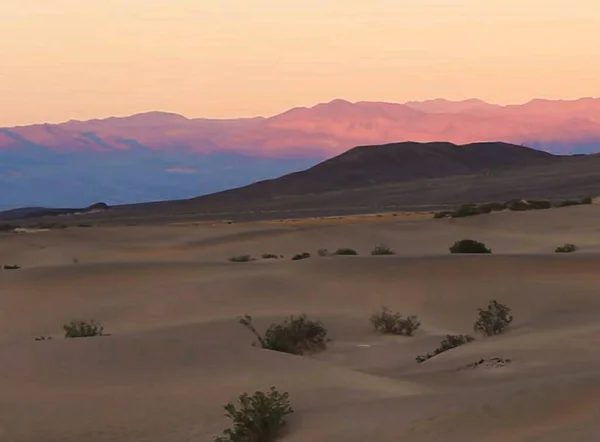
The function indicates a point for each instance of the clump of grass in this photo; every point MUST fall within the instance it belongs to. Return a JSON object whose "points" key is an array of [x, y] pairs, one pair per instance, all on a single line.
{"points": [[300, 256], [83, 329], [269, 256], [469, 246], [257, 418], [448, 343], [567, 248], [493, 320], [345, 251], [296, 335], [323, 252], [382, 249], [241, 258], [387, 322]]}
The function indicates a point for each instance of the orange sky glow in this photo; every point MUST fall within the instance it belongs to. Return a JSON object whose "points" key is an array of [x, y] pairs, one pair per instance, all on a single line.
{"points": [[74, 59]]}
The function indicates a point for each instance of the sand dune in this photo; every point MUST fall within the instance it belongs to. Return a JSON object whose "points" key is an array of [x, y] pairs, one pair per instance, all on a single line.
{"points": [[170, 301]]}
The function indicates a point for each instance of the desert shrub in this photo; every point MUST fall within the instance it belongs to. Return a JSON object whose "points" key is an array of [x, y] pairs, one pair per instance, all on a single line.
{"points": [[8, 227], [257, 418], [382, 250], [469, 246], [567, 248], [345, 251], [466, 210], [323, 252], [493, 320], [388, 322], [11, 267], [587, 200], [300, 256], [241, 258], [567, 203], [296, 335], [82, 329], [269, 256], [448, 343], [442, 214]]}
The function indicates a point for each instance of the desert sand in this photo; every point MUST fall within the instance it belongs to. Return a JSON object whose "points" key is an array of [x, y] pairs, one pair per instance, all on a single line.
{"points": [[170, 300]]}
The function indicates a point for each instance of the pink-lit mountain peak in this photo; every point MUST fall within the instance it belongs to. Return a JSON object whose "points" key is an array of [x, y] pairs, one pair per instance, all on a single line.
{"points": [[330, 128]]}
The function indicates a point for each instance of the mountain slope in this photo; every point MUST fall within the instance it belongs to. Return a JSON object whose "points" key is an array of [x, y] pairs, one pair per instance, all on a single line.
{"points": [[162, 156]]}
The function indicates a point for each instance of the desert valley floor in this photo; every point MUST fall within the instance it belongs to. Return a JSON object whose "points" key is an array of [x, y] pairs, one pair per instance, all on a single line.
{"points": [[170, 299]]}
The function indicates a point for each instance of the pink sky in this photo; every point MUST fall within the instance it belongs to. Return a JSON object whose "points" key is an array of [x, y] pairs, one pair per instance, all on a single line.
{"points": [[64, 59]]}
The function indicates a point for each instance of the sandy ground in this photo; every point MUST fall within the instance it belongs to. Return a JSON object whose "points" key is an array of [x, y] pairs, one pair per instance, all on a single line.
{"points": [[169, 298]]}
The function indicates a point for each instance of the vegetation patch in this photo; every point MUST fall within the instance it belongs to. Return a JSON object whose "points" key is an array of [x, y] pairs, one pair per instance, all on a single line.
{"points": [[567, 248], [494, 320], [269, 256], [241, 258], [11, 267], [257, 418], [300, 256], [346, 251], [83, 329], [8, 227], [469, 246], [323, 252], [512, 205], [388, 322], [382, 249], [449, 342], [296, 335]]}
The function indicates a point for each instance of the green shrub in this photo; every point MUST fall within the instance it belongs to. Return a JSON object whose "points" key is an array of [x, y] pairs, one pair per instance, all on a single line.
{"points": [[466, 210], [567, 248], [323, 252], [493, 320], [296, 335], [269, 256], [11, 267], [259, 418], [345, 251], [448, 343], [8, 228], [82, 329], [382, 250], [469, 246], [300, 256], [241, 258], [394, 323], [442, 214]]}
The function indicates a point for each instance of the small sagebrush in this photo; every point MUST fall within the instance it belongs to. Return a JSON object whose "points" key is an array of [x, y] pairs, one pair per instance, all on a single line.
{"points": [[300, 256], [469, 246], [296, 335], [257, 418], [83, 329], [345, 251], [382, 249], [567, 248], [448, 343], [269, 256], [323, 252], [391, 323], [493, 320], [241, 258]]}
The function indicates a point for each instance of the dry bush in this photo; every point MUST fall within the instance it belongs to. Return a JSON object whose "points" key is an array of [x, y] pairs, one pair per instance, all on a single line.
{"points": [[387, 322], [493, 320]]}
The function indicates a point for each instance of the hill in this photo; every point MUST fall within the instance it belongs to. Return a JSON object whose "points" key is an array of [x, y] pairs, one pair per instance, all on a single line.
{"points": [[395, 177], [162, 156]]}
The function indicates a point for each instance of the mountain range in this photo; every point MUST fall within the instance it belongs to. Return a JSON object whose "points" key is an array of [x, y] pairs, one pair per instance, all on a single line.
{"points": [[159, 156]]}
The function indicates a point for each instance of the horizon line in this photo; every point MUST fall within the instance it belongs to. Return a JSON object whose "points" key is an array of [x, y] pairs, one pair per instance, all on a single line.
{"points": [[224, 118]]}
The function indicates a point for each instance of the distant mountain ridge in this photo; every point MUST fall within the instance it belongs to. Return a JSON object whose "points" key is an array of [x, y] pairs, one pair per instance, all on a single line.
{"points": [[160, 155]]}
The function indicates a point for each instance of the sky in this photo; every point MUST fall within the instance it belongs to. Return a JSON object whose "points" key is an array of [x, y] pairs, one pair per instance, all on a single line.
{"points": [[82, 59]]}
